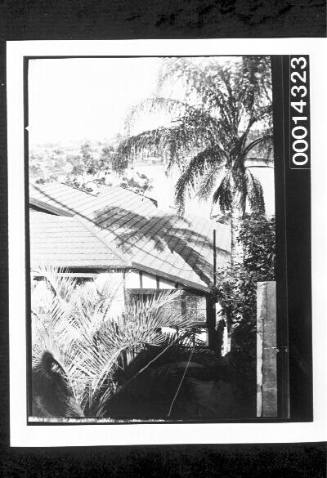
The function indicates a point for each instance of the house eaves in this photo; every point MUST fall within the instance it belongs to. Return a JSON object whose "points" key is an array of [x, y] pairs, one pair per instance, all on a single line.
{"points": [[173, 278]]}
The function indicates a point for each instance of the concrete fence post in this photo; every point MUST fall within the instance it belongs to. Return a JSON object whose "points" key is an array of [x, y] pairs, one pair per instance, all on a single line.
{"points": [[266, 350]]}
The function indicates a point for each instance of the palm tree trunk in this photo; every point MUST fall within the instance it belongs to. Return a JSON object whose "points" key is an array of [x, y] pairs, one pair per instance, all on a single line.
{"points": [[237, 253], [237, 257]]}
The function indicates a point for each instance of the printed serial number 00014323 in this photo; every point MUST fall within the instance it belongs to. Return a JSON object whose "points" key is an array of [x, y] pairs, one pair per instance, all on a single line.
{"points": [[299, 111]]}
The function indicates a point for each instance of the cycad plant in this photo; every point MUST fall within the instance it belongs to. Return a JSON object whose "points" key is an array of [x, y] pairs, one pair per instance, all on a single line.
{"points": [[221, 116], [76, 325]]}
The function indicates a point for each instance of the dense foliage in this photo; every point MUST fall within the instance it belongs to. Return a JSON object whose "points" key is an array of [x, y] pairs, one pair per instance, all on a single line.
{"points": [[258, 237], [236, 290], [237, 295]]}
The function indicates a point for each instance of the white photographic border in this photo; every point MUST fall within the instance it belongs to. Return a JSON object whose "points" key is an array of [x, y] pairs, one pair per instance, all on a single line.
{"points": [[22, 434]]}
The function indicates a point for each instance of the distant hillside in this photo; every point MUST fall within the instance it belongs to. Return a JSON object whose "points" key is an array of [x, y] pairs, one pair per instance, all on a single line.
{"points": [[85, 165]]}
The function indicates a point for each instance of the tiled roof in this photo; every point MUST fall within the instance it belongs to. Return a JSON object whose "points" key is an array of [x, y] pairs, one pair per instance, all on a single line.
{"points": [[58, 197], [179, 249], [61, 199], [67, 242]]}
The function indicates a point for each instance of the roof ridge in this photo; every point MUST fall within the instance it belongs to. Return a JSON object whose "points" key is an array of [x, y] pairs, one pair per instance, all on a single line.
{"points": [[61, 204], [59, 183], [42, 188], [77, 189]]}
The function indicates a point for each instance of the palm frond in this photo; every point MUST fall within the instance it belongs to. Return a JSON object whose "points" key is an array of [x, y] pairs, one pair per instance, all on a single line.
{"points": [[262, 146], [192, 77], [57, 278], [66, 327], [212, 158], [264, 141], [194, 130], [255, 194], [175, 108], [52, 306], [203, 83], [207, 183], [223, 194], [140, 324], [136, 328], [257, 73], [87, 339], [258, 70]]}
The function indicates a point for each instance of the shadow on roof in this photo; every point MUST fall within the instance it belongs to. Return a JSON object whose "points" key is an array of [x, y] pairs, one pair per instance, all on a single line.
{"points": [[162, 232]]}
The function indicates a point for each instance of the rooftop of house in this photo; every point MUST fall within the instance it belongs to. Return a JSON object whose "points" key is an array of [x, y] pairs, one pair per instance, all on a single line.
{"points": [[67, 242], [121, 229]]}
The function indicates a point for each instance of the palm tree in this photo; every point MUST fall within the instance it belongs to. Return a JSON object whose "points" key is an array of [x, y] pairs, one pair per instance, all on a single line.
{"points": [[75, 336], [77, 348], [221, 117]]}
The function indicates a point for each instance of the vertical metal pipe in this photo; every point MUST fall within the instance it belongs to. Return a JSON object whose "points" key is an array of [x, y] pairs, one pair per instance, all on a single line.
{"points": [[211, 305], [214, 258]]}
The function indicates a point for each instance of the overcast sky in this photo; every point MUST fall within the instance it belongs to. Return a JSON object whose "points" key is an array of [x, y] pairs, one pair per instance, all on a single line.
{"points": [[76, 99], [89, 98]]}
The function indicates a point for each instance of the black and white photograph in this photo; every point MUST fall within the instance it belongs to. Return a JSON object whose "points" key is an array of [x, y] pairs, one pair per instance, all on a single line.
{"points": [[152, 238], [166, 282], [163, 238]]}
